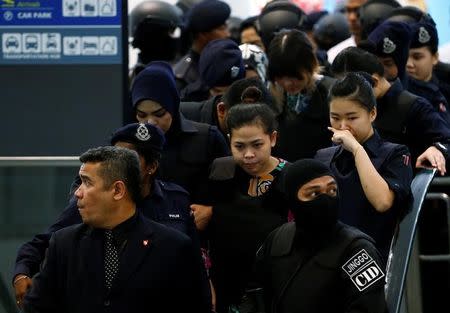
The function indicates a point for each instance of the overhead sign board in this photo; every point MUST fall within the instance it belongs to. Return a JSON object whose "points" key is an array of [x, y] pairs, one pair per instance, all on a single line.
{"points": [[61, 32]]}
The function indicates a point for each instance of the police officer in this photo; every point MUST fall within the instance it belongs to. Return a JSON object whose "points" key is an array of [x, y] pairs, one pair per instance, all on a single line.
{"points": [[206, 21], [190, 146], [390, 43], [317, 264], [218, 76], [151, 22], [163, 202], [374, 175], [402, 117], [423, 57]]}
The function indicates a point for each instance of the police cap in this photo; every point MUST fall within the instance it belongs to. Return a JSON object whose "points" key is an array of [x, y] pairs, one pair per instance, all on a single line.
{"points": [[230, 68], [424, 34], [207, 15], [140, 134]]}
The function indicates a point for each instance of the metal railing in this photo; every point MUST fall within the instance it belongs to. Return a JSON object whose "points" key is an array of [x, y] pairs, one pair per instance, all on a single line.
{"points": [[26, 161]]}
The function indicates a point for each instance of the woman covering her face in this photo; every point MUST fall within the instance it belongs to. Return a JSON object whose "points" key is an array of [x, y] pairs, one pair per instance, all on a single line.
{"points": [[374, 175]]}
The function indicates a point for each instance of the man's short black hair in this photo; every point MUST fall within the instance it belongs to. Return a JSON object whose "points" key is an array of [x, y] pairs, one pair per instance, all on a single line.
{"points": [[117, 164]]}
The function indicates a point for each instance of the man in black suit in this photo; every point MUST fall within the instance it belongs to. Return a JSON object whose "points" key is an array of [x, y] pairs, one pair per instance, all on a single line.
{"points": [[117, 260]]}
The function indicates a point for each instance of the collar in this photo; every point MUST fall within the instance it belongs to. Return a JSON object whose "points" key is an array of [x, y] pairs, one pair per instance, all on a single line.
{"points": [[430, 86], [371, 145], [156, 189], [393, 92], [121, 232]]}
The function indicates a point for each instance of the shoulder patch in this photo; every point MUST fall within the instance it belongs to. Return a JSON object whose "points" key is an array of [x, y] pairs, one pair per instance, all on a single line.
{"points": [[362, 270]]}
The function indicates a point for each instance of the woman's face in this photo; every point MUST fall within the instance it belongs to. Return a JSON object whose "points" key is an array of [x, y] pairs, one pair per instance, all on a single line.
{"points": [[294, 85], [148, 111], [350, 115], [390, 68], [420, 63], [251, 148]]}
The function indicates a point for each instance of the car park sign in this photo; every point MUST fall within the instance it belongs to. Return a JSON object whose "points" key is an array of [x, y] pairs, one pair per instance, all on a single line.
{"points": [[61, 32]]}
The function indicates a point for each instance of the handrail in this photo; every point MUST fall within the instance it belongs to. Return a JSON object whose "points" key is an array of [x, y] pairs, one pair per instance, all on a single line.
{"points": [[26, 161], [403, 241]]}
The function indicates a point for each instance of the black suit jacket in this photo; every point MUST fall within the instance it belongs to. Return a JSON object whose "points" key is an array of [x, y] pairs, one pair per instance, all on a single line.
{"points": [[159, 272]]}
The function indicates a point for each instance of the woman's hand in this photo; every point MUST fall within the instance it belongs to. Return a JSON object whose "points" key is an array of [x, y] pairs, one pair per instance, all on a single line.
{"points": [[345, 139], [202, 215], [432, 158]]}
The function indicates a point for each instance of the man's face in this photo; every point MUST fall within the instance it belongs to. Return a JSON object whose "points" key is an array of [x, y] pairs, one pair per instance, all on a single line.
{"points": [[351, 12], [94, 198], [316, 187], [250, 35], [220, 32]]}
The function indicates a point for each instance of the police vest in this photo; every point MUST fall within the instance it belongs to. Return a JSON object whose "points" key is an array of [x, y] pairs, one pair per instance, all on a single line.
{"points": [[326, 265], [392, 119]]}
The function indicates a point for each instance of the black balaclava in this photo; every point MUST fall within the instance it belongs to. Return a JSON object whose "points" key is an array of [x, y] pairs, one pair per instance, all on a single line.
{"points": [[316, 219]]}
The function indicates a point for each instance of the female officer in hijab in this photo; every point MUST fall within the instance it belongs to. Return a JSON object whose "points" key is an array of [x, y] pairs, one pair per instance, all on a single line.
{"points": [[317, 264], [190, 147]]}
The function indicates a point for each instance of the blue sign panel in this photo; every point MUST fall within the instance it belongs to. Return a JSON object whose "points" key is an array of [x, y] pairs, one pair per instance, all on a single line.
{"points": [[60, 32]]}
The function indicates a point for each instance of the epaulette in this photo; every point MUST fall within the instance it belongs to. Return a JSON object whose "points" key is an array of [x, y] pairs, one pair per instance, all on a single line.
{"points": [[166, 186], [180, 69]]}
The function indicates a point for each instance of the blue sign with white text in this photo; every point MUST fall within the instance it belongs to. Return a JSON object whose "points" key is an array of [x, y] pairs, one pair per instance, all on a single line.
{"points": [[61, 32]]}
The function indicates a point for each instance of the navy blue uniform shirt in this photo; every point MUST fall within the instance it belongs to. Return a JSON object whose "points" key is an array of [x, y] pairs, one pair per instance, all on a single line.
{"points": [[393, 163], [423, 126], [431, 91]]}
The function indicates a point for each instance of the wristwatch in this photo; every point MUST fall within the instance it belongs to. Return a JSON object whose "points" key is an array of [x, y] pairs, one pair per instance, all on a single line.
{"points": [[441, 147]]}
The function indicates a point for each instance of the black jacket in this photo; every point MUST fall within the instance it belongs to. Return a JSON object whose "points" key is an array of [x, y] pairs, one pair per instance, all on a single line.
{"points": [[159, 270]]}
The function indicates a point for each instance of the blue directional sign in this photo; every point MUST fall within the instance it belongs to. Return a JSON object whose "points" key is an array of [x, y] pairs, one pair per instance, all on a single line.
{"points": [[61, 32]]}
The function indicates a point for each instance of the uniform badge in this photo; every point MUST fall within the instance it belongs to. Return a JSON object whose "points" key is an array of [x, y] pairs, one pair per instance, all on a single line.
{"points": [[142, 133], [442, 107], [362, 270], [234, 71], [406, 159], [424, 36], [388, 45]]}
